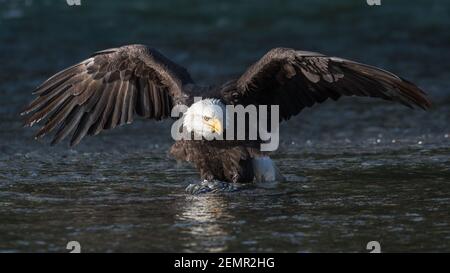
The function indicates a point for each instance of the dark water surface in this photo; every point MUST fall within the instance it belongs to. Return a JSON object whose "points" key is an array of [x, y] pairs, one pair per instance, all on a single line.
{"points": [[357, 170]]}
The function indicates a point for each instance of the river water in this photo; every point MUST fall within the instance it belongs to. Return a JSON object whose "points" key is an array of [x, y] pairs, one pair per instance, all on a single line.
{"points": [[358, 170]]}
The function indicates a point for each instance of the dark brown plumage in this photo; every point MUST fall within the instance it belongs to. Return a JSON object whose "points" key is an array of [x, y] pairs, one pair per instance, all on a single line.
{"points": [[298, 79], [106, 90], [113, 85]]}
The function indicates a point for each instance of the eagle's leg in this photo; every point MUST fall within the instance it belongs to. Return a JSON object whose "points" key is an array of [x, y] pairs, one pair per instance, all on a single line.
{"points": [[212, 186]]}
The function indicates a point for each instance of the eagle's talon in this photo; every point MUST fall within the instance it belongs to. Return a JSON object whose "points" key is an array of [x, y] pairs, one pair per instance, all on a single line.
{"points": [[213, 186]]}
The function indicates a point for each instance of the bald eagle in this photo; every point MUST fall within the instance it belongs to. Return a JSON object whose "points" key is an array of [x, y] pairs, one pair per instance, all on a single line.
{"points": [[113, 86]]}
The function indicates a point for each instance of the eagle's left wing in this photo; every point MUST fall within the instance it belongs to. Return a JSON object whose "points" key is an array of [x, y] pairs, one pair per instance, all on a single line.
{"points": [[298, 79]]}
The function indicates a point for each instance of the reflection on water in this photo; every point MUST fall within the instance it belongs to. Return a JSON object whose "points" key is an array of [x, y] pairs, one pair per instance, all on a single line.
{"points": [[206, 218], [336, 198]]}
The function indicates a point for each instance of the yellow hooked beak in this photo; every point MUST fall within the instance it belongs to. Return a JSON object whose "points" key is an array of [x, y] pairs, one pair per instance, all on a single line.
{"points": [[215, 125]]}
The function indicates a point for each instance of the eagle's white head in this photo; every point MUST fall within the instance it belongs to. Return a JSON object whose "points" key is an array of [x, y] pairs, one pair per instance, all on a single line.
{"points": [[205, 118]]}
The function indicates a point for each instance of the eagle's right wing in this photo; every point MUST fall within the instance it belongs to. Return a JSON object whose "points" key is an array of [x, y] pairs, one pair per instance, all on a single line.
{"points": [[297, 79], [106, 90]]}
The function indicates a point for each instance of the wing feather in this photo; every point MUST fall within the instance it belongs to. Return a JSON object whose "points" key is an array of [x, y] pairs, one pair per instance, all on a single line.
{"points": [[106, 90], [298, 79]]}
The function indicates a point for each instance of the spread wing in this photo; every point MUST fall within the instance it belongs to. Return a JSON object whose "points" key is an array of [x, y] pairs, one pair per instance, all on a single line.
{"points": [[107, 90], [298, 79]]}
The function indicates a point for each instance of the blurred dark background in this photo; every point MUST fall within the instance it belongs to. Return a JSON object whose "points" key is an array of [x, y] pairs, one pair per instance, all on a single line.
{"points": [[356, 169]]}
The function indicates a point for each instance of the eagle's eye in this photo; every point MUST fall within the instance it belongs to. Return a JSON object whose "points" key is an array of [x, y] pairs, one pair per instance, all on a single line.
{"points": [[205, 118]]}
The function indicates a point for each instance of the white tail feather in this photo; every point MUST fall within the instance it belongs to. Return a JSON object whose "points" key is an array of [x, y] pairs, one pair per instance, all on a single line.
{"points": [[265, 170]]}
